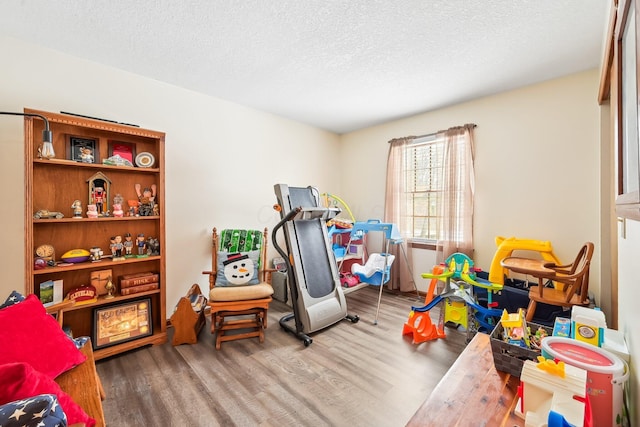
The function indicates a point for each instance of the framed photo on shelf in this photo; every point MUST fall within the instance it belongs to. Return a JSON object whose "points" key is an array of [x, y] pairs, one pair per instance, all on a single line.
{"points": [[82, 149], [120, 323], [123, 149]]}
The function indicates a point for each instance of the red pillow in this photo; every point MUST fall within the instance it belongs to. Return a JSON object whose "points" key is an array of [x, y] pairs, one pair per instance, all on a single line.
{"points": [[29, 334], [21, 381]]}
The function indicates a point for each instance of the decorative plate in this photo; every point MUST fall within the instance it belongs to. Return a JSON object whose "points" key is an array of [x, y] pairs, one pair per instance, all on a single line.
{"points": [[145, 160]]}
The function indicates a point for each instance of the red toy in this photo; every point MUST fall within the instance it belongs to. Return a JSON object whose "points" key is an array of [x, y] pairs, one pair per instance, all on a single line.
{"points": [[348, 280]]}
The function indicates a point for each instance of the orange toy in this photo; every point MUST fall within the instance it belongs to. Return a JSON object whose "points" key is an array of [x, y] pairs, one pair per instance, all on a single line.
{"points": [[420, 324]]}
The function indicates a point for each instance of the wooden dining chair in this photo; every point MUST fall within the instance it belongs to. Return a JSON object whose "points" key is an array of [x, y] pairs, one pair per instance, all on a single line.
{"points": [[570, 283]]}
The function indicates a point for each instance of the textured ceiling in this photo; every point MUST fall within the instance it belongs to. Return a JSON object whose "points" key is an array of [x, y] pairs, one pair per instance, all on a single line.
{"points": [[339, 65]]}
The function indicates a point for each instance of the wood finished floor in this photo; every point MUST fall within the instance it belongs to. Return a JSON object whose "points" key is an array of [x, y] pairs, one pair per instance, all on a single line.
{"points": [[352, 375]]}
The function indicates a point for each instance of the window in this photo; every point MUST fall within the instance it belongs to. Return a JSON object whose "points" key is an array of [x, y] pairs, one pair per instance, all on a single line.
{"points": [[430, 187], [423, 160]]}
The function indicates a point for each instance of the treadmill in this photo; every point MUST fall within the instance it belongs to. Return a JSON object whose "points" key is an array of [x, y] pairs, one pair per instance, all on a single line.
{"points": [[312, 273]]}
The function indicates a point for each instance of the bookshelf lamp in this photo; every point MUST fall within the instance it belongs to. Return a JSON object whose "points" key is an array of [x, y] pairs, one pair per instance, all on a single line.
{"points": [[46, 151]]}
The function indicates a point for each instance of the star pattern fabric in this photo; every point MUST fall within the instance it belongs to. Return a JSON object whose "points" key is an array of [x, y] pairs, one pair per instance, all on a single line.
{"points": [[14, 298], [38, 411]]}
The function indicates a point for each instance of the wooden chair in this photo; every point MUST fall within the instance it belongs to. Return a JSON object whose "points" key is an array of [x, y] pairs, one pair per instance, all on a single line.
{"points": [[571, 283], [239, 309], [71, 384], [58, 309]]}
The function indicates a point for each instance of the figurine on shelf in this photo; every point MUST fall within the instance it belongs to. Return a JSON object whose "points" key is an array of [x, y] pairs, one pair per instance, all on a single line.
{"points": [[133, 207], [117, 210], [153, 246], [99, 191], [116, 248], [98, 199], [146, 199], [128, 245], [112, 245], [96, 253], [110, 288], [77, 209], [92, 211], [86, 155], [142, 246]]}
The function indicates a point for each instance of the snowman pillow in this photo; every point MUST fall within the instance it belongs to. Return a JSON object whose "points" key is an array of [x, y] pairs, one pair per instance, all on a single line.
{"points": [[237, 269]]}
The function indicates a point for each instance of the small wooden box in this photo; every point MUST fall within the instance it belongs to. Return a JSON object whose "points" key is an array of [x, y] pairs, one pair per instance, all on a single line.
{"points": [[187, 322]]}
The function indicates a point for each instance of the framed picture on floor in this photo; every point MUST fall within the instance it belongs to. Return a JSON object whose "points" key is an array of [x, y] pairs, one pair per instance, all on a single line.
{"points": [[120, 323]]}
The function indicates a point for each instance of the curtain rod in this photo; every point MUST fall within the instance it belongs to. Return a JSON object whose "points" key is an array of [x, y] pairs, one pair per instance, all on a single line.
{"points": [[473, 125]]}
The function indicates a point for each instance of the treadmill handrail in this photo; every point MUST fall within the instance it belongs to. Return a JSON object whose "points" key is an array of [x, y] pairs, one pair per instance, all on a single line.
{"points": [[315, 213]]}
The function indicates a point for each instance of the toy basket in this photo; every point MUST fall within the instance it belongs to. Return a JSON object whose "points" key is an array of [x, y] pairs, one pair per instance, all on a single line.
{"points": [[510, 358]]}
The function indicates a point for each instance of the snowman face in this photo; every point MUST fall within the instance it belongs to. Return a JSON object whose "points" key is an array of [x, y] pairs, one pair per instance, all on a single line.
{"points": [[239, 271]]}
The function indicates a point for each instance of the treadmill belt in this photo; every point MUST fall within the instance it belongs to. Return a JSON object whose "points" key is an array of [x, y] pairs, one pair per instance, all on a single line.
{"points": [[315, 260]]}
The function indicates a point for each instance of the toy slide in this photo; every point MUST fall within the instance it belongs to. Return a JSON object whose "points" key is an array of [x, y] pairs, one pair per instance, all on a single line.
{"points": [[419, 323], [481, 283], [485, 284], [437, 300], [507, 245]]}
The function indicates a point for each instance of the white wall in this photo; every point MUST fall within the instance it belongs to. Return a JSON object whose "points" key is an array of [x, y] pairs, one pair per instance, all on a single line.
{"points": [[537, 167], [222, 159], [629, 299]]}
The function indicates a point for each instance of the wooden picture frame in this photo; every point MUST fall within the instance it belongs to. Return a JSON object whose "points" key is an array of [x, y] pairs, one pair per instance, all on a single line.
{"points": [[118, 323], [125, 150], [82, 149], [628, 105]]}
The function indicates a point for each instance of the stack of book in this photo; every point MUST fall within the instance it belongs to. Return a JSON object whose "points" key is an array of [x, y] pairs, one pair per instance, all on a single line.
{"points": [[139, 282]]}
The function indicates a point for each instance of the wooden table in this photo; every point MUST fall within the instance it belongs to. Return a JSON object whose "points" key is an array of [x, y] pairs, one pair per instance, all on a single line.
{"points": [[472, 392], [83, 385]]}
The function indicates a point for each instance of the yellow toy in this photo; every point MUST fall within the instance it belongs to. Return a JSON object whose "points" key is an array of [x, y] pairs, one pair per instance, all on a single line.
{"points": [[515, 328], [331, 200], [507, 245], [551, 366]]}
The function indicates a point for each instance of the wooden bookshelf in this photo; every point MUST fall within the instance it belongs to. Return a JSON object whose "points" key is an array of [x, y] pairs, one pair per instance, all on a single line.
{"points": [[54, 184]]}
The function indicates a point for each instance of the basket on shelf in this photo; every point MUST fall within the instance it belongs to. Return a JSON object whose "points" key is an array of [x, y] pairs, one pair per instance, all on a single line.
{"points": [[510, 358]]}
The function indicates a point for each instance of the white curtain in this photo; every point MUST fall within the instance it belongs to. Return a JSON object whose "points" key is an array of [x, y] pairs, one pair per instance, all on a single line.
{"points": [[456, 210], [455, 230], [395, 212]]}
